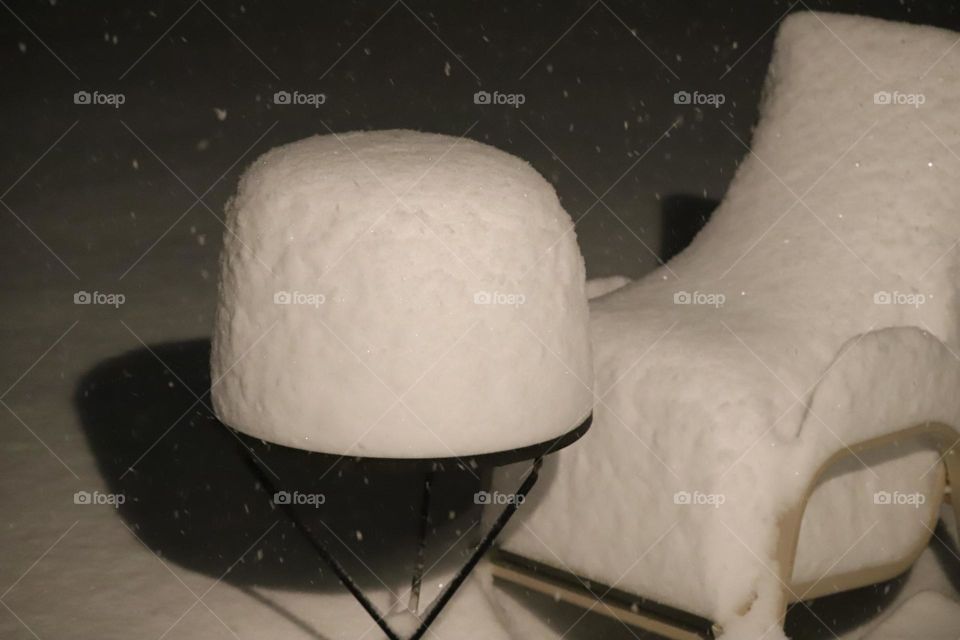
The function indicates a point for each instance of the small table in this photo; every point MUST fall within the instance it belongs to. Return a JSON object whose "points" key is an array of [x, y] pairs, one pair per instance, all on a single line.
{"points": [[257, 453]]}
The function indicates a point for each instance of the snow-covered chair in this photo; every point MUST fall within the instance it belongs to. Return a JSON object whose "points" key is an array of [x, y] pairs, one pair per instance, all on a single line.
{"points": [[776, 408]]}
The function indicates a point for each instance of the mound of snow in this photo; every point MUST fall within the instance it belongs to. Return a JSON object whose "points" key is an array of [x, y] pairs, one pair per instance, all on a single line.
{"points": [[399, 294]]}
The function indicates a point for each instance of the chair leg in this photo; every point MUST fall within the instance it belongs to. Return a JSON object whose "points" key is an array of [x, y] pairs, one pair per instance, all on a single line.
{"points": [[789, 540], [951, 461], [941, 437]]}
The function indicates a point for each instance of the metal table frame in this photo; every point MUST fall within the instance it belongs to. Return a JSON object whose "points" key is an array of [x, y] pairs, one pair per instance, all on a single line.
{"points": [[427, 467]]}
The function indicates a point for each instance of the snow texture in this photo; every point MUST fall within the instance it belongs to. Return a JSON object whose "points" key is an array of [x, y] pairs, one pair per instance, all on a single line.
{"points": [[401, 294], [926, 616], [817, 308], [597, 287]]}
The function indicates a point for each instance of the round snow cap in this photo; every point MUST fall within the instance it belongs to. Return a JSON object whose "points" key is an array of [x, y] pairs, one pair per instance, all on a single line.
{"points": [[399, 294]]}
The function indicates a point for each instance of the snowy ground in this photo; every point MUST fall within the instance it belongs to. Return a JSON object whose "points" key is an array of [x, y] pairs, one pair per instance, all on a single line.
{"points": [[126, 201]]}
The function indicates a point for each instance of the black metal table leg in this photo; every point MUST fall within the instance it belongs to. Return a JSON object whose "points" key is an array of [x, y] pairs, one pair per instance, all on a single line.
{"points": [[415, 582], [484, 546], [441, 600], [322, 550]]}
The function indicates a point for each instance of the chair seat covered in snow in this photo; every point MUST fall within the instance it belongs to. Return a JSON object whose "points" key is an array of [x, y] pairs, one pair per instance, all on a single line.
{"points": [[799, 359]]}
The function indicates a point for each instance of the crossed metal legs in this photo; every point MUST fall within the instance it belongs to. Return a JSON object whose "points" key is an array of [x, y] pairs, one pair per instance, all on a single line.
{"points": [[441, 600]]}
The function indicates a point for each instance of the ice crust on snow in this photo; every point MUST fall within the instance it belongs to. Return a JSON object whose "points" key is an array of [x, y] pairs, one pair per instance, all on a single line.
{"points": [[787, 330], [399, 294]]}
